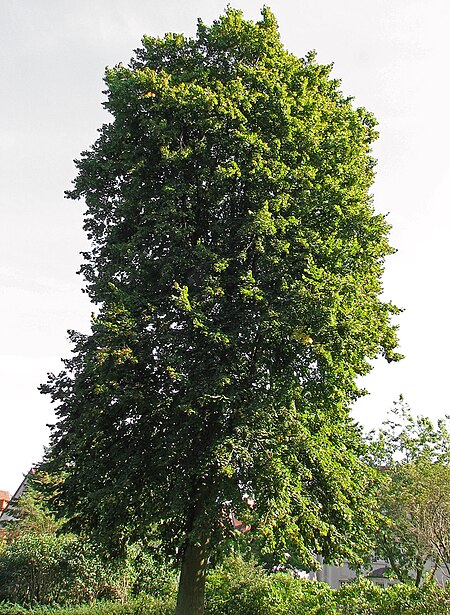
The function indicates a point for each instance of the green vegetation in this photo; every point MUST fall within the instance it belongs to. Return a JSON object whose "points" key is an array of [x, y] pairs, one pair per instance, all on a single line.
{"points": [[236, 263], [46, 574], [238, 587], [141, 606], [40, 564], [412, 456], [241, 588], [69, 570], [51, 569], [45, 571]]}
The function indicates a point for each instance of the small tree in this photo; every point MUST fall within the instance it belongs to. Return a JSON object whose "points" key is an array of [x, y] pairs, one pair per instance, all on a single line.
{"points": [[66, 569], [412, 456], [30, 514], [236, 263], [39, 563]]}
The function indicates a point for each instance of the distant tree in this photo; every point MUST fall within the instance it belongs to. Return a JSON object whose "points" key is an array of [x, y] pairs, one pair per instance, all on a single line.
{"points": [[404, 438], [412, 456], [40, 563], [31, 513], [236, 264]]}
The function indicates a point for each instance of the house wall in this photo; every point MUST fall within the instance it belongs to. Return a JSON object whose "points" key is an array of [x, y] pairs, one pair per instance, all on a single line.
{"points": [[335, 576], [4, 499], [4, 512]]}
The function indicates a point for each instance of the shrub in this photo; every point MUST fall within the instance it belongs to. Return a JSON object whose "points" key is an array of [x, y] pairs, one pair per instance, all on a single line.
{"points": [[65, 569], [144, 605], [237, 586], [293, 596], [404, 599], [244, 588], [49, 569], [152, 576], [362, 597]]}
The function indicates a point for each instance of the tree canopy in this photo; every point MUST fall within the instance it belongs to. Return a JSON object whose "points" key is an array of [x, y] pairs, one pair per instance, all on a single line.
{"points": [[236, 263]]}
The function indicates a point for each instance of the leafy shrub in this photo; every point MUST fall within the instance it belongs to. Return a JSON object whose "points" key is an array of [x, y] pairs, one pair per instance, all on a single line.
{"points": [[237, 586], [141, 606], [151, 575], [293, 596], [244, 588], [65, 569], [359, 597], [403, 599], [49, 569], [362, 597]]}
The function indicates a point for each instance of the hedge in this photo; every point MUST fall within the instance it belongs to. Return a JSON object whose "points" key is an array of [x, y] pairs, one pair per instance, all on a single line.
{"points": [[239, 587]]}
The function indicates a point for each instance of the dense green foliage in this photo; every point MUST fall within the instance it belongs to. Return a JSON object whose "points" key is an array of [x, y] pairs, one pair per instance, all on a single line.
{"points": [[236, 263], [241, 588], [145, 605], [47, 569], [40, 564], [39, 567], [31, 513]]}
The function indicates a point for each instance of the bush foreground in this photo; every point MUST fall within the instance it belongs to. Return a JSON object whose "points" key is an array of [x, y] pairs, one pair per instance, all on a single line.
{"points": [[243, 588]]}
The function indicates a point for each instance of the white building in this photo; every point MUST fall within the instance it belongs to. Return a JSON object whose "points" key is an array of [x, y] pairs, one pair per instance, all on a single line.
{"points": [[335, 576]]}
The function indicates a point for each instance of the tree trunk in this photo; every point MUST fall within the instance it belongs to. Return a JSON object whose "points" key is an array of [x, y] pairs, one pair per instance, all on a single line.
{"points": [[191, 587]]}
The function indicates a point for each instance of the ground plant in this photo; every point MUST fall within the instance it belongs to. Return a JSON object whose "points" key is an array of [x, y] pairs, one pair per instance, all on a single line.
{"points": [[242, 588], [48, 569]]}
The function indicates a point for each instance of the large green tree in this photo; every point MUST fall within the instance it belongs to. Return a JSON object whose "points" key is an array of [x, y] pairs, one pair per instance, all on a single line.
{"points": [[236, 263]]}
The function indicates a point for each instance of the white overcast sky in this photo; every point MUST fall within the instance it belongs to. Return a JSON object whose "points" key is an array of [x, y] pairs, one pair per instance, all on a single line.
{"points": [[392, 56]]}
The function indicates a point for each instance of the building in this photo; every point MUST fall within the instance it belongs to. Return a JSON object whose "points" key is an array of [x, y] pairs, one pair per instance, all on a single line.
{"points": [[379, 573], [4, 500], [336, 576], [7, 505]]}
